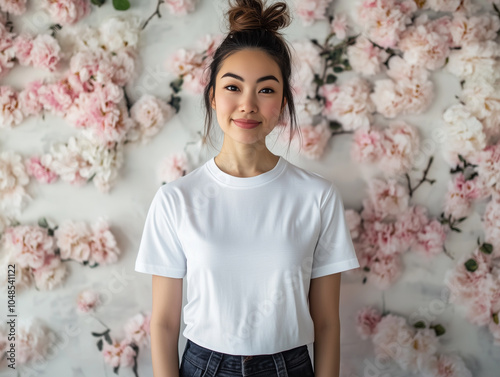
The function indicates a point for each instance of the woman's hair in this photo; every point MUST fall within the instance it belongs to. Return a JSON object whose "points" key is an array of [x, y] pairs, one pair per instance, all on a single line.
{"points": [[252, 26]]}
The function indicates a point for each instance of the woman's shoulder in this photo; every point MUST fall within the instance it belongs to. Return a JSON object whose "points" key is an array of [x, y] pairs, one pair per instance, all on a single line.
{"points": [[311, 179]]}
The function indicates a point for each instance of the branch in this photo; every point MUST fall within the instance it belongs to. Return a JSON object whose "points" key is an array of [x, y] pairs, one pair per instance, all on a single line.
{"points": [[424, 178], [157, 12]]}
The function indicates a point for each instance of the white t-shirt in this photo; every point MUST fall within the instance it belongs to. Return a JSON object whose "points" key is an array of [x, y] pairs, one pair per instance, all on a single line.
{"points": [[248, 247]]}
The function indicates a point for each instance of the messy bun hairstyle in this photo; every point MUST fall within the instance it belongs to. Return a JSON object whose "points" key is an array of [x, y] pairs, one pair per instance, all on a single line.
{"points": [[253, 26]]}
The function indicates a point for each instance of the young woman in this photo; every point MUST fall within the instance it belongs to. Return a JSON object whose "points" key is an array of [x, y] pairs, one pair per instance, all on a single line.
{"points": [[260, 241]]}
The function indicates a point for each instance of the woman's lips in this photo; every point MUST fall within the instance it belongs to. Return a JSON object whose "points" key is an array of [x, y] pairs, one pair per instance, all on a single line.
{"points": [[246, 125]]}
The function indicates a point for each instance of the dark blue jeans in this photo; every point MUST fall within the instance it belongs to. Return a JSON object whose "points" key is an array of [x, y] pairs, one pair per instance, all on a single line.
{"points": [[198, 361]]}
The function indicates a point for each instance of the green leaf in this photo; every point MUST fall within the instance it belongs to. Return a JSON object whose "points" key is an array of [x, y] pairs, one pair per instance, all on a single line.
{"points": [[121, 4], [43, 222], [419, 325], [455, 229], [175, 102], [461, 158], [97, 2], [495, 318], [338, 69], [334, 125], [99, 345], [471, 265], [108, 338], [330, 79], [176, 85], [438, 329], [115, 369], [486, 248]]}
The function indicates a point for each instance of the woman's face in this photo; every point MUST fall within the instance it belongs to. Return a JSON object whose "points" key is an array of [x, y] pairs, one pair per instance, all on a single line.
{"points": [[249, 86]]}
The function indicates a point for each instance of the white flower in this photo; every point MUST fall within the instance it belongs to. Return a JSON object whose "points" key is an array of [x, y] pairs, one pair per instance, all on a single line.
{"points": [[463, 133]]}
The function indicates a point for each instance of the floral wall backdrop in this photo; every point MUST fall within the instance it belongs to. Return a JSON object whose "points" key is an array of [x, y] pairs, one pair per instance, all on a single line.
{"points": [[399, 105]]}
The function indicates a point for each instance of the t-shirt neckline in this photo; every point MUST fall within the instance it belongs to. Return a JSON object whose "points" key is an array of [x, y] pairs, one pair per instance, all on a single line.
{"points": [[231, 180]]}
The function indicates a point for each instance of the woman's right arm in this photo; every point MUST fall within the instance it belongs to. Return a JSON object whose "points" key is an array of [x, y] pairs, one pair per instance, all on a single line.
{"points": [[165, 325]]}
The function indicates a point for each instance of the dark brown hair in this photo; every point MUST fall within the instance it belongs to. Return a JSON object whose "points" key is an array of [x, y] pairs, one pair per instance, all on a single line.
{"points": [[251, 26]]}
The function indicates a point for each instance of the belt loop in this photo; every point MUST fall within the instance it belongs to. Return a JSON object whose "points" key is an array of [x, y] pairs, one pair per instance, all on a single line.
{"points": [[213, 364], [279, 361]]}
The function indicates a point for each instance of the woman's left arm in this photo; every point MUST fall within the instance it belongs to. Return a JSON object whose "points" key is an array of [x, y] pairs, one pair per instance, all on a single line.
{"points": [[324, 295]]}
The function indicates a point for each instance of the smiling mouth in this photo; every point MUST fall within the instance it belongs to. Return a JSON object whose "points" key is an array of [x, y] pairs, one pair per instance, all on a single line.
{"points": [[246, 125]]}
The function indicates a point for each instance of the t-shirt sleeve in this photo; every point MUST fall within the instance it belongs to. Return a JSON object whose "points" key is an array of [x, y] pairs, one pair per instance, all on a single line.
{"points": [[160, 251], [334, 250]]}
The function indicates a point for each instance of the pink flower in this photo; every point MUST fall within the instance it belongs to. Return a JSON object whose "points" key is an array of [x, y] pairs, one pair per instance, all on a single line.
{"points": [[392, 337], [123, 62], [339, 26], [365, 58], [16, 7], [446, 366], [118, 353], [491, 223], [488, 162], [367, 320], [137, 329], [173, 167], [367, 146], [478, 28], [67, 12], [196, 80], [151, 114], [37, 167], [349, 104], [385, 270], [353, 220], [28, 99], [409, 224], [180, 7], [423, 345], [45, 52], [51, 274], [387, 197], [314, 140], [384, 20], [10, 110], [87, 301], [423, 46], [30, 245], [32, 340], [183, 61], [73, 240], [23, 44], [311, 10], [103, 247], [459, 197], [56, 97], [430, 239], [400, 144], [474, 289]]}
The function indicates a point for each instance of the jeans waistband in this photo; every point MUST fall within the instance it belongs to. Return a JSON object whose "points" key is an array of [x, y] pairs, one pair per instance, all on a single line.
{"points": [[201, 356]]}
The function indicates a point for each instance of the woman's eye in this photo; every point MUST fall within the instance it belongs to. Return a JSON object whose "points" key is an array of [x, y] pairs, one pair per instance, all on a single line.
{"points": [[236, 88]]}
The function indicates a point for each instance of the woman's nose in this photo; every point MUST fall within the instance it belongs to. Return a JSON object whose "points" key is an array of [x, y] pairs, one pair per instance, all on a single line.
{"points": [[248, 103]]}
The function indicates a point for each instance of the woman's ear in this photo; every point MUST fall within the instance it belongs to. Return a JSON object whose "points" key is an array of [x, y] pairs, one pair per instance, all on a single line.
{"points": [[284, 104], [212, 99]]}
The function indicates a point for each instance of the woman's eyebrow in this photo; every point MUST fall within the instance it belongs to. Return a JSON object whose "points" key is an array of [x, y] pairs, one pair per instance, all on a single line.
{"points": [[270, 77]]}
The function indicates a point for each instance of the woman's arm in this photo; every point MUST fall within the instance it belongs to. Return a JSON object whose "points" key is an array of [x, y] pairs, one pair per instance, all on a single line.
{"points": [[324, 295], [165, 325]]}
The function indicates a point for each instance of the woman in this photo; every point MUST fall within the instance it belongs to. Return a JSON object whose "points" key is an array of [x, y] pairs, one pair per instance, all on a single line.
{"points": [[261, 241]]}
